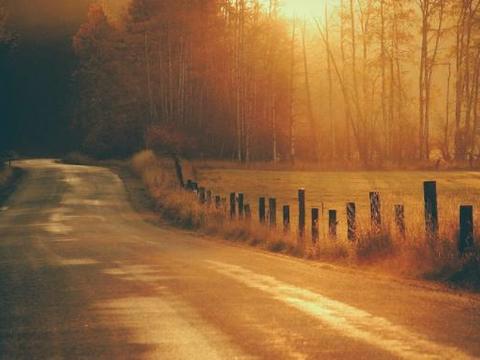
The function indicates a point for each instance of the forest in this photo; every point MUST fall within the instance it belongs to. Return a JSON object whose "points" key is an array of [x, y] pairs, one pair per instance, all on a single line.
{"points": [[365, 81]]}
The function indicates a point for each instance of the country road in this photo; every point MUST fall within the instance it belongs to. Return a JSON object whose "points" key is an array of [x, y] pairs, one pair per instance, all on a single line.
{"points": [[82, 276]]}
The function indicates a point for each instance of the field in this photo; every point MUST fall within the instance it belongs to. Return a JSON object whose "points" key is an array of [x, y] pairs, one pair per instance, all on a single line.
{"points": [[414, 254], [332, 190]]}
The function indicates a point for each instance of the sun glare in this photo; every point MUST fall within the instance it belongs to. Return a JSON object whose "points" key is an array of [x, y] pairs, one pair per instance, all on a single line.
{"points": [[303, 8]]}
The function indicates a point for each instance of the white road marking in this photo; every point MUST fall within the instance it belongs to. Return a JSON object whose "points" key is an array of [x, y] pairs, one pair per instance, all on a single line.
{"points": [[348, 320]]}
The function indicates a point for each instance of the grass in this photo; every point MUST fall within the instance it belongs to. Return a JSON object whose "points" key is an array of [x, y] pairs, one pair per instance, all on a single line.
{"points": [[411, 256]]}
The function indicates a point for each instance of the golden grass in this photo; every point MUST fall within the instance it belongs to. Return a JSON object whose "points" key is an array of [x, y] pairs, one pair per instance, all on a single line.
{"points": [[412, 255]]}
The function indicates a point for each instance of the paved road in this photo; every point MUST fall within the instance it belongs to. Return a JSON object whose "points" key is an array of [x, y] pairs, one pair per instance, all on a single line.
{"points": [[82, 276]]}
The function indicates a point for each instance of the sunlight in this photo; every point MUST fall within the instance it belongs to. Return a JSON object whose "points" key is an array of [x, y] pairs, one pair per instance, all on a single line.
{"points": [[303, 8]]}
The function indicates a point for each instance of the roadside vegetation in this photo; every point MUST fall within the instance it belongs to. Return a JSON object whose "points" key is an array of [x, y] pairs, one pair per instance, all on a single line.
{"points": [[9, 177], [411, 256]]}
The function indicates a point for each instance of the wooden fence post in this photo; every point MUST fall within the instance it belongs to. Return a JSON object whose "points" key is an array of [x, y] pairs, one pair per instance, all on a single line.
{"points": [[272, 207], [301, 212], [431, 208], [218, 201], [351, 221], [261, 210], [201, 195], [233, 204], [241, 206], [400, 219], [315, 225], [286, 218], [466, 234], [332, 224], [248, 212], [375, 211], [209, 197]]}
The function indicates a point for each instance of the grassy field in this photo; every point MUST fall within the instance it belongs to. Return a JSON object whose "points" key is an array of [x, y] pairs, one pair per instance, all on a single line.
{"points": [[332, 190], [411, 256]]}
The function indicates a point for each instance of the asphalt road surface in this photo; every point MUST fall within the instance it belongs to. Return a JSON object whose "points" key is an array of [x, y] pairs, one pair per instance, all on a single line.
{"points": [[82, 276]]}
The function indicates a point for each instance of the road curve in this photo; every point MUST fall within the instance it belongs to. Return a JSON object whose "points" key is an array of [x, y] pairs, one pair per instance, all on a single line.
{"points": [[83, 277]]}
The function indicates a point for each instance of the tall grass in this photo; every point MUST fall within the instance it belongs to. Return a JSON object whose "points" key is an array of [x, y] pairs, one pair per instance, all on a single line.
{"points": [[411, 255]]}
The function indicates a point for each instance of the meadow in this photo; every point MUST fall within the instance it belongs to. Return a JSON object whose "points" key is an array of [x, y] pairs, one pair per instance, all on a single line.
{"points": [[333, 190], [413, 255]]}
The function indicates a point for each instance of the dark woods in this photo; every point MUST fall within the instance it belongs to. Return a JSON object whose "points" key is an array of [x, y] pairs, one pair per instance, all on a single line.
{"points": [[209, 70], [371, 81]]}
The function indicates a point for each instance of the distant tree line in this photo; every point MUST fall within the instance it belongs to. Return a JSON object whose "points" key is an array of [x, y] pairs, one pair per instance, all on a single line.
{"points": [[368, 81]]}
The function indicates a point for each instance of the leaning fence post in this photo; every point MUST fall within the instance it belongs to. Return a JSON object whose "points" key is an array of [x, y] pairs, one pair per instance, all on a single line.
{"points": [[241, 206], [332, 224], [431, 208], [233, 204], [400, 219], [351, 221], [286, 218], [272, 206], [261, 210], [301, 212], [315, 231], [466, 236], [375, 211]]}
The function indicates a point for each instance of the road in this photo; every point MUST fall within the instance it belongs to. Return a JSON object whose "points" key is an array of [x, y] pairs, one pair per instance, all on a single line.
{"points": [[82, 276]]}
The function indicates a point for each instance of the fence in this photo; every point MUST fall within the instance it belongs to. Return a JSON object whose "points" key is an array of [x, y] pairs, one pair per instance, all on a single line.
{"points": [[238, 209]]}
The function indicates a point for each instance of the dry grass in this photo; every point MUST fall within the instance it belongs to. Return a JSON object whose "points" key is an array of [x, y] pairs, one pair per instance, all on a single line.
{"points": [[412, 255]]}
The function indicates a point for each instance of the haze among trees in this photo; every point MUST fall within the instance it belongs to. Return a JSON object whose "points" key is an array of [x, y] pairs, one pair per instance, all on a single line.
{"points": [[368, 81]]}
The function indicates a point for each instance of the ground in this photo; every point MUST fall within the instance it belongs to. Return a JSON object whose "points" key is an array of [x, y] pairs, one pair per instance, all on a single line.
{"points": [[83, 276]]}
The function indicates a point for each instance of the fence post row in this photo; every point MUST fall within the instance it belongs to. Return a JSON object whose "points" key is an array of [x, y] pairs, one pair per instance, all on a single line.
{"points": [[466, 236], [233, 205], [272, 206], [431, 208], [466, 224], [400, 219], [351, 221], [332, 224], [315, 223], [375, 211], [286, 218], [301, 212]]}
